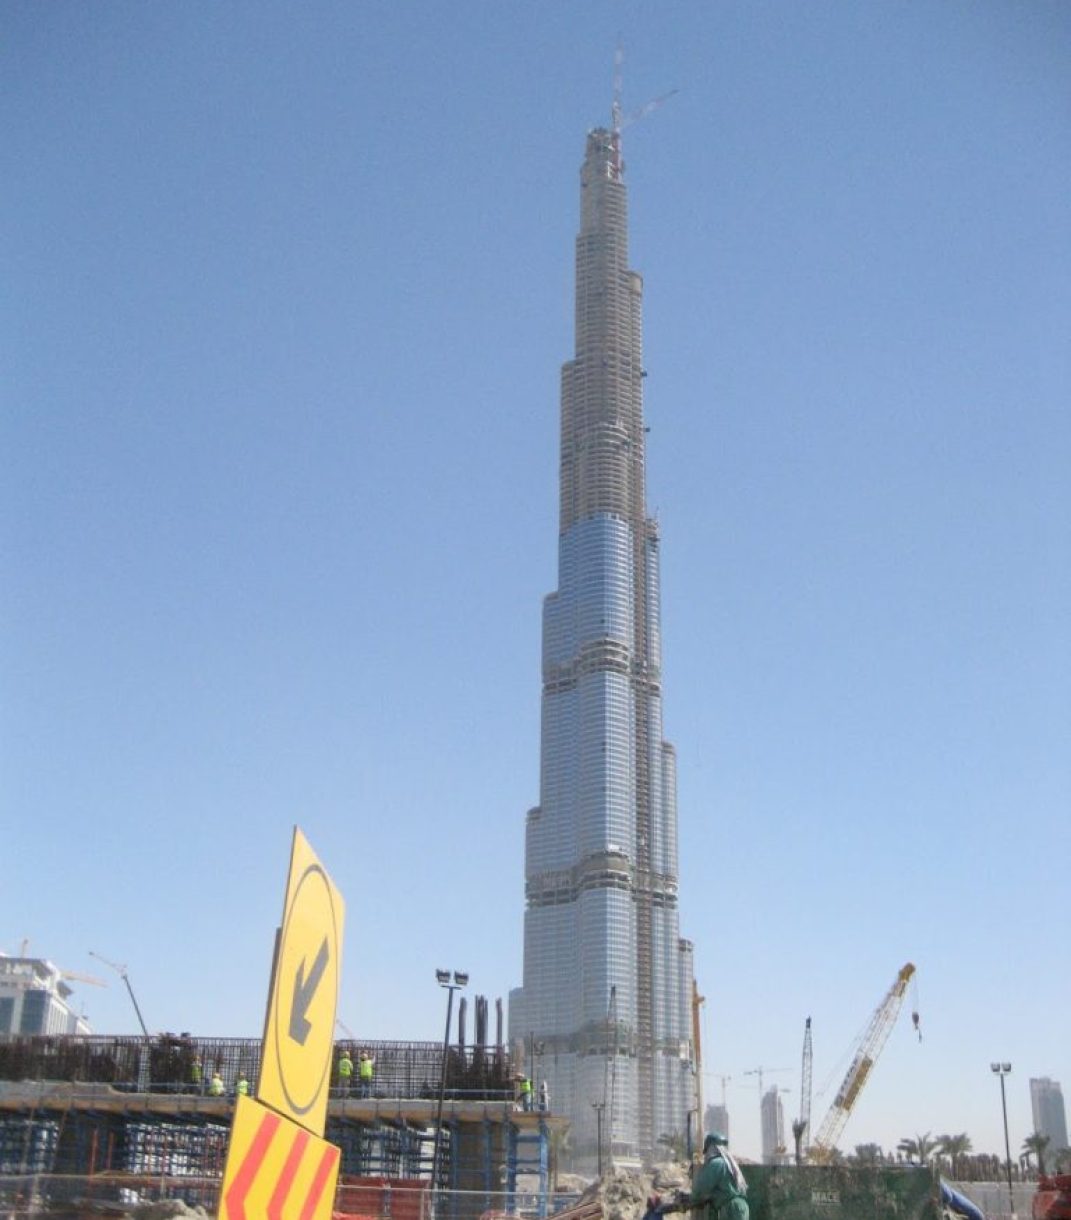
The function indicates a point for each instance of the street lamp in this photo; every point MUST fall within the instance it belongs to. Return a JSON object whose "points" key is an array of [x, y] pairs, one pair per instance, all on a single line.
{"points": [[452, 982], [598, 1107], [1002, 1070]]}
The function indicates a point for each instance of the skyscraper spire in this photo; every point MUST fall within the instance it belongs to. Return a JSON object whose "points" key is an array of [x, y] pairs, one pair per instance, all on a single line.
{"points": [[607, 979]]}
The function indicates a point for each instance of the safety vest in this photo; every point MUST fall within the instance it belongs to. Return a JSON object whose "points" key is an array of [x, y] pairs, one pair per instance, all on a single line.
{"points": [[526, 1087], [215, 1086], [242, 1087], [345, 1067], [366, 1069]]}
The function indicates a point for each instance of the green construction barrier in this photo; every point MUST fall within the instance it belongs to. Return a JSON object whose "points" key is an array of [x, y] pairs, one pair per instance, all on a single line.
{"points": [[833, 1192]]}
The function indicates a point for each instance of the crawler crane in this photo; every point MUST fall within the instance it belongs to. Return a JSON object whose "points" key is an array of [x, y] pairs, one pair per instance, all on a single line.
{"points": [[801, 1127], [870, 1045]]}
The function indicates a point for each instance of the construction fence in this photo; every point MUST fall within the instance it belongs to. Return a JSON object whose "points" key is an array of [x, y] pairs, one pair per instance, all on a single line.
{"points": [[75, 1197], [831, 1192], [774, 1193]]}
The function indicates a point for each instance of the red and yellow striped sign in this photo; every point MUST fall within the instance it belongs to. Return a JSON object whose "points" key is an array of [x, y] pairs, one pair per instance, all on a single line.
{"points": [[275, 1169]]}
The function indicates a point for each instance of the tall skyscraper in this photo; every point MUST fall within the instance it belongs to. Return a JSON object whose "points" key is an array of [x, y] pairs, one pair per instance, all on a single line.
{"points": [[772, 1116], [606, 996], [1047, 1108], [717, 1119]]}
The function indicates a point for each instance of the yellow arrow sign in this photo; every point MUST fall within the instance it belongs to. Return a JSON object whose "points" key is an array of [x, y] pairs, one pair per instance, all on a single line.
{"points": [[295, 1070], [275, 1169]]}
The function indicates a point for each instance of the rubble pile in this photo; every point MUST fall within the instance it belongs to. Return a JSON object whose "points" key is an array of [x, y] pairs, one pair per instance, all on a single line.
{"points": [[167, 1209], [622, 1193]]}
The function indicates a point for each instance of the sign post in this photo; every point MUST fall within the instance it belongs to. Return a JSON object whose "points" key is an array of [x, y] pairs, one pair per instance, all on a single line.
{"points": [[278, 1164]]}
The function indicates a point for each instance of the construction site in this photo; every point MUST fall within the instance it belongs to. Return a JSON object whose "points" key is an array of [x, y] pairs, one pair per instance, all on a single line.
{"points": [[113, 1121], [93, 1125], [99, 1125]]}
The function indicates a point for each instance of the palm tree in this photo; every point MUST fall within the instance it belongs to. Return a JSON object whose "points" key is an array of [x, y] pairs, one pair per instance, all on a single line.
{"points": [[1037, 1144], [955, 1147], [921, 1148], [868, 1154]]}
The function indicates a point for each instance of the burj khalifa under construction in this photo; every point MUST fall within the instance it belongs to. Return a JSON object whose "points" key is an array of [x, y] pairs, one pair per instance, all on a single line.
{"points": [[605, 1010]]}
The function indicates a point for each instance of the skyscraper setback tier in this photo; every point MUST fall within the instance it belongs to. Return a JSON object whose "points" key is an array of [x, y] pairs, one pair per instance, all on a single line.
{"points": [[604, 1012]]}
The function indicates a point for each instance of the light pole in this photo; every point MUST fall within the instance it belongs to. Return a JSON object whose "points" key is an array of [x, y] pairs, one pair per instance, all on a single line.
{"points": [[452, 983], [1002, 1070], [598, 1107]]}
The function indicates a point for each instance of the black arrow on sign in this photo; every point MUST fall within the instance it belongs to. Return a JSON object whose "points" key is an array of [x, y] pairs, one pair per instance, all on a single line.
{"points": [[304, 990]]}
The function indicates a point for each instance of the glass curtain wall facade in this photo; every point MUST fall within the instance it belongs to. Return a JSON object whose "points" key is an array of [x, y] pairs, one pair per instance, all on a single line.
{"points": [[1048, 1113], [604, 1012]]}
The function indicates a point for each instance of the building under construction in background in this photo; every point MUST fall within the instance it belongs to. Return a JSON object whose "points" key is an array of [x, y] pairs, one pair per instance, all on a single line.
{"points": [[604, 1010], [35, 997], [103, 1119]]}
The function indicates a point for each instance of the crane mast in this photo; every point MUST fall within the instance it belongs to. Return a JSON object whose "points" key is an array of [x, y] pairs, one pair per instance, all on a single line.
{"points": [[801, 1125], [870, 1046]]}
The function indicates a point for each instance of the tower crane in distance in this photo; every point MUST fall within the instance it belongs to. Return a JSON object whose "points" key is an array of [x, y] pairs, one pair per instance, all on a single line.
{"points": [[82, 978], [870, 1046], [120, 970], [799, 1127]]}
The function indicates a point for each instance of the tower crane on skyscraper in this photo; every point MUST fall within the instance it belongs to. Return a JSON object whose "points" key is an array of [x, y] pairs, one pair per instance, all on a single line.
{"points": [[869, 1047], [618, 120], [761, 1071], [83, 978]]}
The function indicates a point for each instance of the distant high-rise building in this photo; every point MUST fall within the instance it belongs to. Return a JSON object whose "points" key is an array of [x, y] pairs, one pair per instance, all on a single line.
{"points": [[33, 999], [716, 1119], [607, 987], [773, 1127], [1047, 1107]]}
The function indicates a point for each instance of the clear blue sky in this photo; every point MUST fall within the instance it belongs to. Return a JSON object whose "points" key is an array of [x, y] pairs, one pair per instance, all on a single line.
{"points": [[286, 293]]}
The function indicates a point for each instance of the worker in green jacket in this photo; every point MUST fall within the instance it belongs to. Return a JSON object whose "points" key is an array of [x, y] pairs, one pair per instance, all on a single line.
{"points": [[718, 1189], [345, 1072], [525, 1090], [366, 1070]]}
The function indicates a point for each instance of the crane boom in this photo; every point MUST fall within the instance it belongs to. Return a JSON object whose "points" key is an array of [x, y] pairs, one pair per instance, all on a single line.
{"points": [[120, 970], [870, 1046], [800, 1126], [83, 978], [805, 1081]]}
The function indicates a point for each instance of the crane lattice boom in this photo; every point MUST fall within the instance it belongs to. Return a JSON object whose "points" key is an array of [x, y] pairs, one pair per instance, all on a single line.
{"points": [[870, 1045], [805, 1083]]}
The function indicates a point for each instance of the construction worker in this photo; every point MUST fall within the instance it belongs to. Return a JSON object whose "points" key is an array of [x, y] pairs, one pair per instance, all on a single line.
{"points": [[195, 1075], [241, 1086], [345, 1072], [719, 1191], [526, 1092], [544, 1096], [366, 1070], [215, 1085]]}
